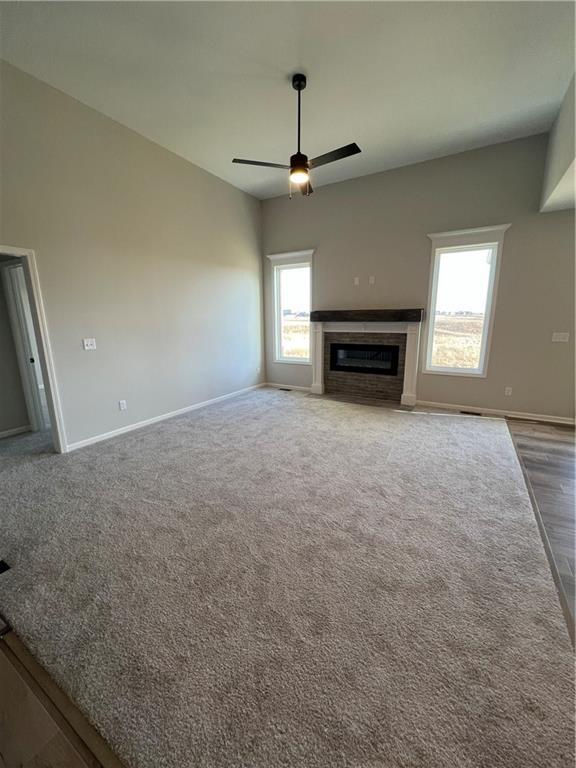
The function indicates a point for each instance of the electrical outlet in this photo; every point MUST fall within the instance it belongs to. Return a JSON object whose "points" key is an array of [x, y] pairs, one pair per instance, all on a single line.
{"points": [[89, 344], [507, 391], [122, 405], [560, 336], [371, 280], [356, 281]]}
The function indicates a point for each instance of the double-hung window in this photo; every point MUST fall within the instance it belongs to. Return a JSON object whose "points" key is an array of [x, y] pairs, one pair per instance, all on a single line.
{"points": [[462, 298], [292, 283]]}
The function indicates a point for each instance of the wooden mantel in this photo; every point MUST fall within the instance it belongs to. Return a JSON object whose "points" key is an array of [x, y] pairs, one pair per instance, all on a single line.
{"points": [[366, 315]]}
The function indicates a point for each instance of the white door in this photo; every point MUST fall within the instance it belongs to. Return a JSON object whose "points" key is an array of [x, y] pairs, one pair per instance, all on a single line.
{"points": [[25, 343]]}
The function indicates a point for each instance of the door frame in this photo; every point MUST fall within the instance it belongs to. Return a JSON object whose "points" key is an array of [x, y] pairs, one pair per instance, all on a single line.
{"points": [[22, 342], [27, 259]]}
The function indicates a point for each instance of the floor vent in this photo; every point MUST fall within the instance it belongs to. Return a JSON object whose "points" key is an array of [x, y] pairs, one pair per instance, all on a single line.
{"points": [[4, 566], [284, 389], [470, 413]]}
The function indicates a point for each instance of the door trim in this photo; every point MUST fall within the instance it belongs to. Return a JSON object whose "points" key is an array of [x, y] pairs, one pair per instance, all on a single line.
{"points": [[27, 258], [21, 334]]}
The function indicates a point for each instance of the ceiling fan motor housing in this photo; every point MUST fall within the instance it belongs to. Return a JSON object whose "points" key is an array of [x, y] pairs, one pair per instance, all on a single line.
{"points": [[299, 161], [298, 81]]}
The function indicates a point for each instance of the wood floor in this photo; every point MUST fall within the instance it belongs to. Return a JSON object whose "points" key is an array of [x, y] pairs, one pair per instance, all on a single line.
{"points": [[548, 457], [39, 726]]}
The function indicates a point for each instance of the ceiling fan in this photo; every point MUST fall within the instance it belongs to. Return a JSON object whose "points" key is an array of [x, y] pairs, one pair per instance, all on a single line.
{"points": [[300, 166]]}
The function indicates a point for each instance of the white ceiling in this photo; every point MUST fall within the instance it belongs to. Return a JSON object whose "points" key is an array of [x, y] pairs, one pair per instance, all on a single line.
{"points": [[210, 81]]}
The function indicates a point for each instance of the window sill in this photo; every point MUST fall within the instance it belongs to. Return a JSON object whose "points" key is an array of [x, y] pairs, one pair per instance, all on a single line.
{"points": [[294, 362], [452, 372]]}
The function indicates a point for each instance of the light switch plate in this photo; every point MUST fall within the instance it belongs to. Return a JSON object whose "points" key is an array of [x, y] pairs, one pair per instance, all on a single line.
{"points": [[122, 405], [561, 336], [371, 280], [356, 281], [89, 344]]}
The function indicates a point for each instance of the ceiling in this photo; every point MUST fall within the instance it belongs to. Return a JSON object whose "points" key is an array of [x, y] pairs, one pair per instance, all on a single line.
{"points": [[210, 81]]}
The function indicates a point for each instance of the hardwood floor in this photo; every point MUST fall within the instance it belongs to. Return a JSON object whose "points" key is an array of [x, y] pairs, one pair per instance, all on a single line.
{"points": [[548, 456], [39, 726]]}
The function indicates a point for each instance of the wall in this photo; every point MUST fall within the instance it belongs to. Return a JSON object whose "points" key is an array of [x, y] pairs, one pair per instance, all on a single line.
{"points": [[558, 190], [154, 257], [378, 225], [13, 413]]}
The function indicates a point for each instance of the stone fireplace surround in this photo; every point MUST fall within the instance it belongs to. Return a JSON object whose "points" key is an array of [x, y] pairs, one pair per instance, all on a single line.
{"points": [[388, 324]]}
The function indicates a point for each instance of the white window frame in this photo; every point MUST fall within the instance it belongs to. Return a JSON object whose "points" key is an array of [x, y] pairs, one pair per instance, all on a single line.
{"points": [[462, 240], [280, 261]]}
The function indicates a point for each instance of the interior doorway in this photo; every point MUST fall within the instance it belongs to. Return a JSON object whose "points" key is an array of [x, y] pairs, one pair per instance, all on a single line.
{"points": [[29, 407]]}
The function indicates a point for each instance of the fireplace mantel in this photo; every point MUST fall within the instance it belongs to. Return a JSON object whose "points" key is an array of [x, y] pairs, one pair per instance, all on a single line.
{"points": [[366, 315], [365, 321]]}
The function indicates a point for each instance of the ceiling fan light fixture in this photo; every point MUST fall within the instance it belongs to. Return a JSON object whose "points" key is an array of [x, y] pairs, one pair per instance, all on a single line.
{"points": [[299, 169], [299, 176]]}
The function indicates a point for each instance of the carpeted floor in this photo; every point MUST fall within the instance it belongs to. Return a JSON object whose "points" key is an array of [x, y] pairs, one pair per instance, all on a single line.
{"points": [[280, 580]]}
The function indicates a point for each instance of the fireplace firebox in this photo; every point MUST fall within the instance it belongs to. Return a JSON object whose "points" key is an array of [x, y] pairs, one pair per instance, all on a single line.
{"points": [[379, 359]]}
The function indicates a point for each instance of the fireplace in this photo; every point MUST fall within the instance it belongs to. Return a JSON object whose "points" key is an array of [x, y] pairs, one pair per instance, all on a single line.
{"points": [[379, 359], [366, 353], [364, 365]]}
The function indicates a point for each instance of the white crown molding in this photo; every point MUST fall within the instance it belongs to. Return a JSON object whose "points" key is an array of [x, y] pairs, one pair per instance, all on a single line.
{"points": [[302, 256], [498, 228]]}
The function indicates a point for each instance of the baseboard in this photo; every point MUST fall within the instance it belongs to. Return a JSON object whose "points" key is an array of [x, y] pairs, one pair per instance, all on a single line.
{"points": [[287, 386], [15, 431], [496, 412], [156, 419]]}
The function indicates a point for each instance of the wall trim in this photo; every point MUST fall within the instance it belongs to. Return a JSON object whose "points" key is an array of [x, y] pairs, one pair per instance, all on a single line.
{"points": [[156, 419], [15, 431], [303, 256], [474, 409], [286, 386], [499, 228]]}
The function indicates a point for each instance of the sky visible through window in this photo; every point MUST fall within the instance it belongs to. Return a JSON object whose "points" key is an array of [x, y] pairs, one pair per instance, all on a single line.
{"points": [[463, 281], [295, 289], [294, 341], [461, 296]]}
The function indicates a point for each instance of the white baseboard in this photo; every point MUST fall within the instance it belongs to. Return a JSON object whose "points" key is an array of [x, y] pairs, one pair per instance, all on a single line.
{"points": [[287, 386], [15, 431], [496, 412], [156, 419]]}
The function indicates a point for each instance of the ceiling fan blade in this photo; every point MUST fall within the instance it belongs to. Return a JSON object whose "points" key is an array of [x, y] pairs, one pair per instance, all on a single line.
{"points": [[257, 162], [336, 154]]}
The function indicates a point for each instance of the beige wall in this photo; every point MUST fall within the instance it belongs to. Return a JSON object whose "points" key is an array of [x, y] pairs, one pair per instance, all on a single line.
{"points": [[13, 413], [558, 190], [378, 225], [154, 257]]}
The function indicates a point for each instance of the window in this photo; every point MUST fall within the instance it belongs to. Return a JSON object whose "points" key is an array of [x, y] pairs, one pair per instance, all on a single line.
{"points": [[461, 305], [292, 290]]}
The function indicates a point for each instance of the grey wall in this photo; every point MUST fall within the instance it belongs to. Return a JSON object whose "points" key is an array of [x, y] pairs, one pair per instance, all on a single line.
{"points": [[378, 225], [13, 412], [157, 259], [558, 192]]}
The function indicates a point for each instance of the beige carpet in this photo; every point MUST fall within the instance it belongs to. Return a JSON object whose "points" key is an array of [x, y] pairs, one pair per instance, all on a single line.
{"points": [[282, 580]]}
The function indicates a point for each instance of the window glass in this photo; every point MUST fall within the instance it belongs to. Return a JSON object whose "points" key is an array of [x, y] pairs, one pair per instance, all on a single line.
{"points": [[293, 312], [460, 306]]}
